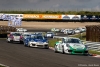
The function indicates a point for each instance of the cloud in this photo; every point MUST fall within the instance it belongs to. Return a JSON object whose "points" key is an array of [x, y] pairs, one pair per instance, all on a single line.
{"points": [[48, 4]]}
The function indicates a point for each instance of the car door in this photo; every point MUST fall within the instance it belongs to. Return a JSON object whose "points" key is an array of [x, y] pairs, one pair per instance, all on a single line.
{"points": [[61, 45]]}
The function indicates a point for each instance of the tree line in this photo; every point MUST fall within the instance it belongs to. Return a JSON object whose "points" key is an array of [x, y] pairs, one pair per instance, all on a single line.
{"points": [[53, 12]]}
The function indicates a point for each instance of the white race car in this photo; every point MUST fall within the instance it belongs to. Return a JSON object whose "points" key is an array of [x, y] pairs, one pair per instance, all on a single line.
{"points": [[14, 37], [36, 41], [49, 34], [21, 30], [71, 45]]}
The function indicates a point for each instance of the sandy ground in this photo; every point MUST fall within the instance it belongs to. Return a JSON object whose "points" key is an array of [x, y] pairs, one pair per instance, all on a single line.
{"points": [[48, 25]]}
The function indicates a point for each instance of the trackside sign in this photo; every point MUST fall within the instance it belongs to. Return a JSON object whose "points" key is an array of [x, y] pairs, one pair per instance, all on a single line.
{"points": [[51, 16], [71, 17], [32, 16], [42, 16]]}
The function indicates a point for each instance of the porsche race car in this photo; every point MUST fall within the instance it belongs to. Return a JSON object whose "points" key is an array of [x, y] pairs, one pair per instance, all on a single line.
{"points": [[36, 41], [71, 45]]}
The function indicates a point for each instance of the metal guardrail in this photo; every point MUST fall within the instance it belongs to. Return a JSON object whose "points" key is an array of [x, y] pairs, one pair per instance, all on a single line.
{"points": [[59, 36], [95, 46]]}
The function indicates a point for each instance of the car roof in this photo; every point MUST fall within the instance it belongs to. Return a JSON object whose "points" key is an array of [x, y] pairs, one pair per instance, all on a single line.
{"points": [[27, 33], [50, 32], [68, 38], [16, 32]]}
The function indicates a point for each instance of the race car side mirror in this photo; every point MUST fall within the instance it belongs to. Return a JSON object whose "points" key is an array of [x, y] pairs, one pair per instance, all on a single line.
{"points": [[60, 41]]}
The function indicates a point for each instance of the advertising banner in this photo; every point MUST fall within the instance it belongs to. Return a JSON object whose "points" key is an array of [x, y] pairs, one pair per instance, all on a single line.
{"points": [[85, 17], [16, 15], [42, 16], [66, 17], [32, 16], [1, 15], [75, 17], [93, 17], [71, 17], [99, 17], [51, 16]]}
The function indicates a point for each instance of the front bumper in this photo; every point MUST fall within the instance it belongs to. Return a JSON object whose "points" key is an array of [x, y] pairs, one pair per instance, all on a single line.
{"points": [[37, 44], [78, 51]]}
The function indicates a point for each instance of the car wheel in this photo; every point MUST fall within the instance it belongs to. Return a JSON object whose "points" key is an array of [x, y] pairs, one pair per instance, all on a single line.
{"points": [[8, 41], [25, 44], [63, 50], [21, 42], [56, 49], [29, 45], [86, 54], [46, 47]]}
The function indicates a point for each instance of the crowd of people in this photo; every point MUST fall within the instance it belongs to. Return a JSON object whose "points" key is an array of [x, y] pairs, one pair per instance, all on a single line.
{"points": [[12, 20]]}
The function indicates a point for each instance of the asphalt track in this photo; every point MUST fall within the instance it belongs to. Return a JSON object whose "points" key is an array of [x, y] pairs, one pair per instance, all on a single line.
{"points": [[17, 55]]}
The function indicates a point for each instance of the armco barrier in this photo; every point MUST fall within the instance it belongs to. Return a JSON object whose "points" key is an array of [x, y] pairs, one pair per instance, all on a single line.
{"points": [[93, 46], [58, 36]]}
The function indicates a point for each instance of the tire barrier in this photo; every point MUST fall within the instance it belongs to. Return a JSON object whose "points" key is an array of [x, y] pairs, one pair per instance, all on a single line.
{"points": [[4, 30], [93, 33]]}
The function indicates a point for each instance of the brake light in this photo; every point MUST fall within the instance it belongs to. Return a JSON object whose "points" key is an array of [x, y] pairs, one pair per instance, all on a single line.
{"points": [[12, 37], [21, 37]]}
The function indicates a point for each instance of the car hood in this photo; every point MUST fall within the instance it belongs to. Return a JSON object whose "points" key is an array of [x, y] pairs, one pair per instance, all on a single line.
{"points": [[76, 46], [40, 40]]}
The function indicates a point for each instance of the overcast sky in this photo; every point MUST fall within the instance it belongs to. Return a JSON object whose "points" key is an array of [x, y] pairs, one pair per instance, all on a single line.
{"points": [[49, 4]]}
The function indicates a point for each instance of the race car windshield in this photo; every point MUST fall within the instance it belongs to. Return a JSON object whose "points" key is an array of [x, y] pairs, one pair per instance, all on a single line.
{"points": [[39, 37], [27, 36], [16, 34], [49, 33], [74, 41], [32, 36]]}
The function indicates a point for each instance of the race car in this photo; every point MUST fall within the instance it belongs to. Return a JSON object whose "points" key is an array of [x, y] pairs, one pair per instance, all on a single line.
{"points": [[71, 45], [36, 41], [49, 34], [14, 37], [25, 35], [21, 30], [77, 30]]}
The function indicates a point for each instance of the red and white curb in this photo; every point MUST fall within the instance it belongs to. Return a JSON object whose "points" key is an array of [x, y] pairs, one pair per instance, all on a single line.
{"points": [[93, 55], [51, 48], [97, 56], [3, 65]]}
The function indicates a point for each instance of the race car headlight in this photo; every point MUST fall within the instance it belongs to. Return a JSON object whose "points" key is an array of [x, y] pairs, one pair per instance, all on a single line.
{"points": [[67, 45], [32, 40], [86, 47], [46, 41]]}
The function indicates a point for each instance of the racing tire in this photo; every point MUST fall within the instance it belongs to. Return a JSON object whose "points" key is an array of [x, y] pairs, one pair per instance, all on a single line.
{"points": [[11, 41], [28, 45], [8, 41], [86, 54], [56, 49], [63, 52], [25, 45], [46, 47], [21, 42]]}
